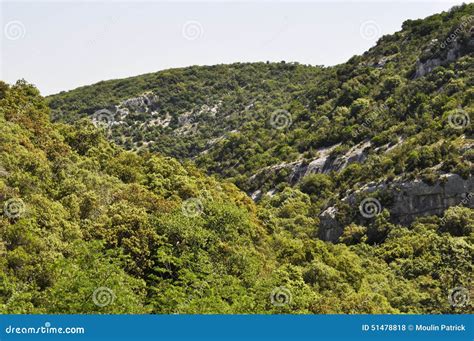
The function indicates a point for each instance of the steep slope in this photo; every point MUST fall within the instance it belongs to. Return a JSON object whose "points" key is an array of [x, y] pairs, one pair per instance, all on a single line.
{"points": [[401, 113], [88, 227], [84, 221], [410, 91], [374, 154]]}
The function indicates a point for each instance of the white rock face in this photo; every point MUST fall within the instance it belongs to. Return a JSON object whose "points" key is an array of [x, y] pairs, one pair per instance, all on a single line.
{"points": [[409, 200], [142, 103], [453, 53], [417, 198], [426, 67], [329, 228], [324, 163]]}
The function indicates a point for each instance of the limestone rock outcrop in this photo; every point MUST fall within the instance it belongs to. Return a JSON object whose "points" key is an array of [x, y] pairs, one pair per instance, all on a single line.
{"points": [[409, 200]]}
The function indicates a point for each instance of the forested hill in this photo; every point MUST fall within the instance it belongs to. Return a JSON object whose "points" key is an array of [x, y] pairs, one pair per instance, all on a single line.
{"points": [[143, 209], [393, 106], [87, 227]]}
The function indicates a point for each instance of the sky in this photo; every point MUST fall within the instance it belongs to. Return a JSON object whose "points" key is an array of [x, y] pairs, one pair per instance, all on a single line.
{"points": [[61, 45]]}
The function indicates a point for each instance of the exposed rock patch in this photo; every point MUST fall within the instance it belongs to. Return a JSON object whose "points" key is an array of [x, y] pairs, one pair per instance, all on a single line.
{"points": [[325, 162], [423, 68], [409, 200]]}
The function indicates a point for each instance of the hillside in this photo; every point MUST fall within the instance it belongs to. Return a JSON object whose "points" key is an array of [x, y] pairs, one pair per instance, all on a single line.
{"points": [[88, 227], [215, 189], [399, 114], [242, 120]]}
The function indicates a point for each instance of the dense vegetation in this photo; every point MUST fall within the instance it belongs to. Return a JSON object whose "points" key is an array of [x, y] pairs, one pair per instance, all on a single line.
{"points": [[96, 216], [234, 120], [87, 226]]}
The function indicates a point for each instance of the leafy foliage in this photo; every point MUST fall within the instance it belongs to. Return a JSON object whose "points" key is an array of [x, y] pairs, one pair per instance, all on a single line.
{"points": [[223, 117], [84, 217]]}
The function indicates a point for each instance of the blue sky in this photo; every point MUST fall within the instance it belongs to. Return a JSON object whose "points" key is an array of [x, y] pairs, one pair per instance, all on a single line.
{"points": [[61, 45]]}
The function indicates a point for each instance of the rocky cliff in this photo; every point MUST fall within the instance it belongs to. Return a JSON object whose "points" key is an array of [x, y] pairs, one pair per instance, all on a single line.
{"points": [[408, 200]]}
